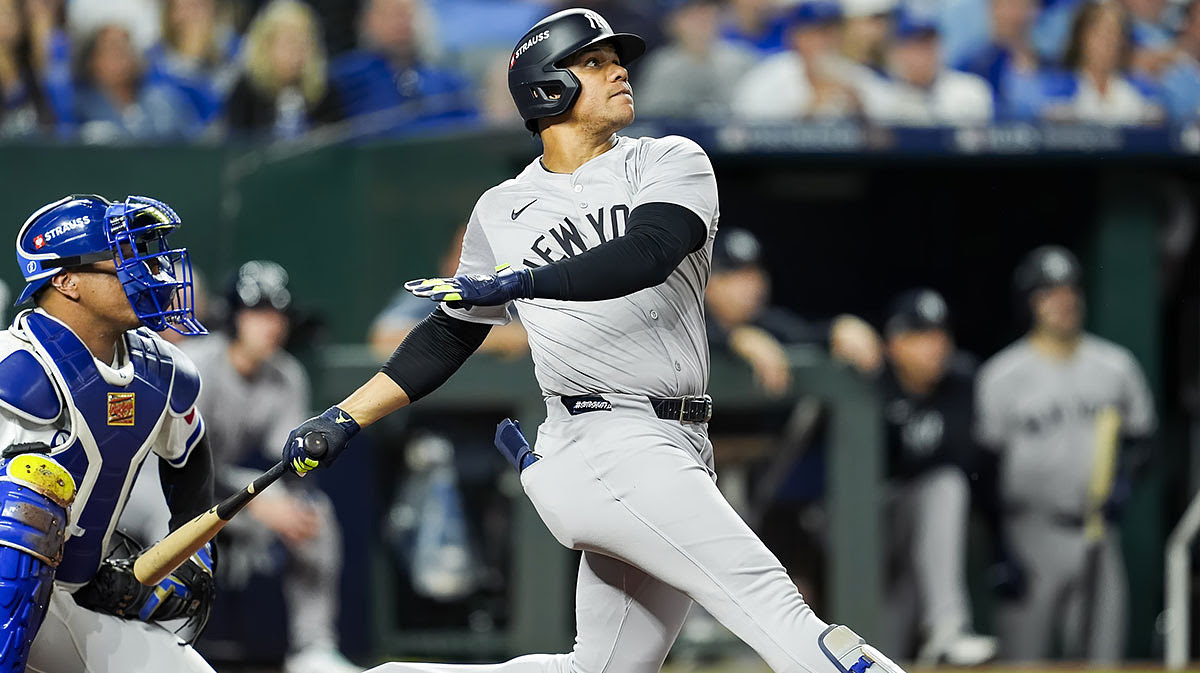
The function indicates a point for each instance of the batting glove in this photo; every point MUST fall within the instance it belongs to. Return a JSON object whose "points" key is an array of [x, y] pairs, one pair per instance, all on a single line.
{"points": [[476, 289], [514, 446], [338, 428]]}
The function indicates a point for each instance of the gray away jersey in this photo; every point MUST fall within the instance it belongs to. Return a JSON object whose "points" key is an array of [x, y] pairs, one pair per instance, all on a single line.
{"points": [[651, 342], [1042, 414]]}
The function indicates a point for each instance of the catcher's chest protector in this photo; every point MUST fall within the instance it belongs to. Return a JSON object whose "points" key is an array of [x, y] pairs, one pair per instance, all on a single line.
{"points": [[111, 426]]}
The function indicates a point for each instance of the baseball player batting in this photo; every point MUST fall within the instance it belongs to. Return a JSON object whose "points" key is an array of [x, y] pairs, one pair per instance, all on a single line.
{"points": [[605, 241]]}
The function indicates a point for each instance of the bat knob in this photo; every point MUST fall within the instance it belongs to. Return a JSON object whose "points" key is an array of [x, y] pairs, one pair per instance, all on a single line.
{"points": [[315, 444]]}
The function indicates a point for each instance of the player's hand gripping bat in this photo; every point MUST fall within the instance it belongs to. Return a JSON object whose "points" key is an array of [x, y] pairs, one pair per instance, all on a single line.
{"points": [[162, 559]]}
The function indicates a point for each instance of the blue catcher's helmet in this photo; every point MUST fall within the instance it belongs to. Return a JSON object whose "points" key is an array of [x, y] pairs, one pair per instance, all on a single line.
{"points": [[85, 229]]}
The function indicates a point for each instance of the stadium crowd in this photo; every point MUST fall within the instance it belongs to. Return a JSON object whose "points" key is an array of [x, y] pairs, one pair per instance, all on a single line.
{"points": [[201, 70]]}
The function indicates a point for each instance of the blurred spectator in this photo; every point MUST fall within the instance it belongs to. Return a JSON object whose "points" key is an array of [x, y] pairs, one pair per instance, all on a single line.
{"points": [[197, 54], [694, 75], [1147, 27], [1070, 417], [1181, 76], [285, 90], [391, 73], [24, 108], [927, 392], [1096, 85], [742, 321], [406, 310], [496, 101], [114, 101], [254, 391], [918, 90], [51, 51], [809, 80], [866, 26], [141, 18], [1009, 53], [756, 24]]}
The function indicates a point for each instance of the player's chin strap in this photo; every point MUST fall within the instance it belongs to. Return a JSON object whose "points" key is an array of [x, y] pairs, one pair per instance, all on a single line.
{"points": [[851, 654]]}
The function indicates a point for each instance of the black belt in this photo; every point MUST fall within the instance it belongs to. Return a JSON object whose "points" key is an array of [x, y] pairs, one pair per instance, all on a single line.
{"points": [[1061, 519], [689, 409]]}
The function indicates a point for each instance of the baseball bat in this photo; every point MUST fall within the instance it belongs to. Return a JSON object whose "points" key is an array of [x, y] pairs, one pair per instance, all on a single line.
{"points": [[1104, 470], [160, 560], [1107, 438]]}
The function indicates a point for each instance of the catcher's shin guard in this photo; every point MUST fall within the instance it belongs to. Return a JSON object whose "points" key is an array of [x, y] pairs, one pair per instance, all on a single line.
{"points": [[35, 493]]}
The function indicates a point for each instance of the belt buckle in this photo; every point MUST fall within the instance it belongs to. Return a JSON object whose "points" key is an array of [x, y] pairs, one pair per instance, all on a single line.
{"points": [[683, 408]]}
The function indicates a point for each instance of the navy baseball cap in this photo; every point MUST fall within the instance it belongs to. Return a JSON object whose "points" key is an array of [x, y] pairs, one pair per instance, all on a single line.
{"points": [[917, 310], [735, 249], [812, 13], [913, 26]]}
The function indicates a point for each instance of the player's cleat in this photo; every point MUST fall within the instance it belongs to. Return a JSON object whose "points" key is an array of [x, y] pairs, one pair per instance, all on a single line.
{"points": [[851, 654], [956, 647], [319, 660]]}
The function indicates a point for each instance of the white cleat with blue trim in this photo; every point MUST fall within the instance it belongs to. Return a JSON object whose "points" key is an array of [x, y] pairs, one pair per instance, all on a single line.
{"points": [[852, 654]]}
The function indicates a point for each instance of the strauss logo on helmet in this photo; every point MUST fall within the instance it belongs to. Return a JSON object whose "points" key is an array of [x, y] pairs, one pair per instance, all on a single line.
{"points": [[526, 45]]}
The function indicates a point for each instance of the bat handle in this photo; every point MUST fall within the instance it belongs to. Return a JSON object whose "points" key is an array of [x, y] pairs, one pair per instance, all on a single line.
{"points": [[316, 445]]}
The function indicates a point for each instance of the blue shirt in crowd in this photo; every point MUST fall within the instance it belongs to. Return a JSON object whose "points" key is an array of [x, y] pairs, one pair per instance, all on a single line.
{"points": [[1181, 89], [205, 88], [424, 96], [159, 113], [771, 40]]}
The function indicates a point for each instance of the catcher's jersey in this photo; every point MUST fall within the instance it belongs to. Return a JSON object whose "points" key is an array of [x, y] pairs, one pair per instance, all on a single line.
{"points": [[651, 342], [100, 419], [1042, 414]]}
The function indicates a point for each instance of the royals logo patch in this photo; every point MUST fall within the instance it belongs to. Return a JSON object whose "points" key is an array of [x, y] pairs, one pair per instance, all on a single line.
{"points": [[120, 409]]}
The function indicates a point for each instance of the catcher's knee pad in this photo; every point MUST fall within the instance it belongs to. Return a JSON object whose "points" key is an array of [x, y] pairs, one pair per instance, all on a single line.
{"points": [[35, 493]]}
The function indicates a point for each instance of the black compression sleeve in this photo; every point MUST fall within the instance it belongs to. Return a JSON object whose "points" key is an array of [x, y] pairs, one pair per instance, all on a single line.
{"points": [[432, 351], [657, 238], [188, 489]]}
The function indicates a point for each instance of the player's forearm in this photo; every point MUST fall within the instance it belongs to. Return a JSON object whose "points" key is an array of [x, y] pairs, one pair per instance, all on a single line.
{"points": [[188, 489], [659, 236], [377, 398]]}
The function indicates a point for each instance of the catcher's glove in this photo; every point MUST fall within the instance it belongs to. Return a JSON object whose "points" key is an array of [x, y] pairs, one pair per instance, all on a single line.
{"points": [[187, 593]]}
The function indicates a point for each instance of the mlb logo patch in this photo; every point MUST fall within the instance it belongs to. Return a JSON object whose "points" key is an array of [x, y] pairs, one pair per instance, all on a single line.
{"points": [[120, 409], [38, 242]]}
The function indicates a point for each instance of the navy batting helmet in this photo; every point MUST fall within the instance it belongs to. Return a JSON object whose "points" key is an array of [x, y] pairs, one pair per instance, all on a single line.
{"points": [[1047, 266], [260, 284], [539, 86]]}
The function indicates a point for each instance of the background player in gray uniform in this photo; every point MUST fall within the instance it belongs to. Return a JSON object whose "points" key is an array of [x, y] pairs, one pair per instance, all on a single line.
{"points": [[605, 242], [1069, 413], [255, 391]]}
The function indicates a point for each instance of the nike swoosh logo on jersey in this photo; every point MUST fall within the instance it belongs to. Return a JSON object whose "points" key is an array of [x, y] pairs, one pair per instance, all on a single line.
{"points": [[517, 213]]}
